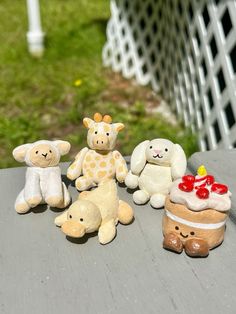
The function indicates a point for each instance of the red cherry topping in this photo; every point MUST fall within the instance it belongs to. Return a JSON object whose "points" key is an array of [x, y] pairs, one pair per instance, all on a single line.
{"points": [[202, 193], [186, 186], [188, 178], [219, 188], [210, 180]]}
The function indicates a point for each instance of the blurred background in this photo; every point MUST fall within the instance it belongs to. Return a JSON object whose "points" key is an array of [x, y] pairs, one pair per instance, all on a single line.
{"points": [[48, 96]]}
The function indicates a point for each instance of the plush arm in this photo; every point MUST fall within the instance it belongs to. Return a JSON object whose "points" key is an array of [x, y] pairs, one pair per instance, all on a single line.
{"points": [[32, 185], [138, 158], [75, 169], [120, 165]]}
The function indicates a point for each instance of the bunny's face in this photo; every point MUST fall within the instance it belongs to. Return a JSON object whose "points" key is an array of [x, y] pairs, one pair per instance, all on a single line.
{"points": [[160, 151]]}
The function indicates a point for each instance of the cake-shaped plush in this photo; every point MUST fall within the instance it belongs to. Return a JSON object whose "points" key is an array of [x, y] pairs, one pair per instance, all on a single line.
{"points": [[195, 214]]}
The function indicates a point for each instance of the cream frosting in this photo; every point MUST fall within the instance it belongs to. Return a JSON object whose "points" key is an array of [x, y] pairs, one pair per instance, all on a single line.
{"points": [[219, 202]]}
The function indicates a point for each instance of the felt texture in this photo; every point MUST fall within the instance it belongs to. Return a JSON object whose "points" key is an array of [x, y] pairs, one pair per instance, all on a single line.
{"points": [[154, 166], [43, 183], [100, 161], [97, 210]]}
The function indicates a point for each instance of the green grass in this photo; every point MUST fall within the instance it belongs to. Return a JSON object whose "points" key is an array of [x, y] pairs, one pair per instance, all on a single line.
{"points": [[38, 98]]}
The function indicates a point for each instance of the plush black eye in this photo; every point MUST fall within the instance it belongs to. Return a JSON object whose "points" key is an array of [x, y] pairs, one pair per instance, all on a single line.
{"points": [[81, 219], [108, 134], [50, 151], [176, 228], [36, 152], [192, 233], [96, 132], [70, 216], [150, 147], [166, 149]]}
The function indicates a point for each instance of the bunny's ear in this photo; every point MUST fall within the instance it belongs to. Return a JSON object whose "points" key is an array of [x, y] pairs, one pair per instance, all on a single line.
{"points": [[20, 151], [138, 158], [62, 146], [178, 162]]}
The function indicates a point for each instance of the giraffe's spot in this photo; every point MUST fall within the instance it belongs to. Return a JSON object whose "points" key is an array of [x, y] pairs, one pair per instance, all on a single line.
{"points": [[112, 161], [107, 128], [103, 164], [88, 158], [121, 169], [93, 165], [90, 173], [97, 157], [101, 174]]}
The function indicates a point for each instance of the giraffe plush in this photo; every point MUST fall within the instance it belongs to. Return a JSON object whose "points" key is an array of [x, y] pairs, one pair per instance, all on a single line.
{"points": [[100, 161]]}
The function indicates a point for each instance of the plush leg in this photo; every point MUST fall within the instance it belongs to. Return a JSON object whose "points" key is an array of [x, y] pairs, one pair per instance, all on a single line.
{"points": [[173, 243], [59, 220], [158, 200], [83, 183], [196, 247], [125, 213], [107, 232], [21, 206], [66, 195], [140, 197]]}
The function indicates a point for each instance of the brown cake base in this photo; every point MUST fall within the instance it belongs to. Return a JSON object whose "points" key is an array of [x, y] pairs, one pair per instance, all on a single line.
{"points": [[196, 240]]}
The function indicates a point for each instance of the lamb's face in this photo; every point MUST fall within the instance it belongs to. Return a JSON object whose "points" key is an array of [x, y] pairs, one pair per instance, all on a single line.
{"points": [[83, 217], [43, 155], [160, 151]]}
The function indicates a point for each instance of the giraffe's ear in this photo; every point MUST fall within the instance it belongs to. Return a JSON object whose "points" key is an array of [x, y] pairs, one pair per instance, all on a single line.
{"points": [[118, 127], [88, 122]]}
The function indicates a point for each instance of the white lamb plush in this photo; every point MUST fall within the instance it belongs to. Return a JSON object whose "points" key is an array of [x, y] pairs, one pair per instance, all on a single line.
{"points": [[43, 175], [154, 166]]}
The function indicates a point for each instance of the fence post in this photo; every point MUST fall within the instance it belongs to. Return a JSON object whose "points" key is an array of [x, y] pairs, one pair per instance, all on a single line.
{"points": [[35, 34]]}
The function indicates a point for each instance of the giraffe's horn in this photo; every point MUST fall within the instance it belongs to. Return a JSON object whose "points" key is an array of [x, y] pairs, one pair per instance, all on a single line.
{"points": [[97, 117], [107, 119]]}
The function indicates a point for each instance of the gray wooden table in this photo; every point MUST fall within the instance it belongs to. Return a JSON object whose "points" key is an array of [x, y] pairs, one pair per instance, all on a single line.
{"points": [[42, 272]]}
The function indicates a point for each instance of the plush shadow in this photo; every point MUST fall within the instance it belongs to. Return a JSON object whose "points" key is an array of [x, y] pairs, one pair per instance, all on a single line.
{"points": [[39, 209], [66, 180], [82, 240]]}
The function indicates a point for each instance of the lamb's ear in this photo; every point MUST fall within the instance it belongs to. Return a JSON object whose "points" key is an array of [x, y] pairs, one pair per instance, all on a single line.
{"points": [[20, 151], [88, 122], [62, 146], [138, 158], [178, 162]]}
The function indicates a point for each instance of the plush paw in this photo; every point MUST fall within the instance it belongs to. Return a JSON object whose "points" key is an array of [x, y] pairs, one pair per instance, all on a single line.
{"points": [[34, 201], [140, 197], [173, 243], [158, 200], [106, 233], [196, 247], [131, 181], [55, 201], [125, 213], [22, 208]]}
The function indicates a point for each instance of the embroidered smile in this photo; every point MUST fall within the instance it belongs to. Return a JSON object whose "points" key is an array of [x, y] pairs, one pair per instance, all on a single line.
{"points": [[158, 155], [182, 235]]}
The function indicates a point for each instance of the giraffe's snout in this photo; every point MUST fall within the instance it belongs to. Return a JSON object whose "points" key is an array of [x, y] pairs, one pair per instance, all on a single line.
{"points": [[101, 142]]}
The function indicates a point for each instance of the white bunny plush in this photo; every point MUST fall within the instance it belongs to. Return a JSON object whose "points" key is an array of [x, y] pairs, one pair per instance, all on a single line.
{"points": [[43, 175], [154, 166]]}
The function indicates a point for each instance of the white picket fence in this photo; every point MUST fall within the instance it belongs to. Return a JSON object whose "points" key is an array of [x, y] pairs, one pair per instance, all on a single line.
{"points": [[185, 49]]}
